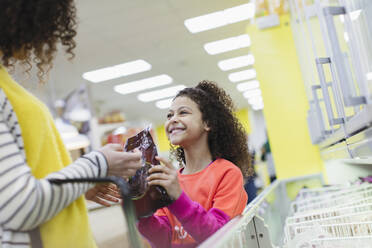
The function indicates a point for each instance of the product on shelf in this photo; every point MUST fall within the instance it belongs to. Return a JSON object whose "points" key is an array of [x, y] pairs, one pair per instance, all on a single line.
{"points": [[268, 7], [112, 117], [113, 136]]}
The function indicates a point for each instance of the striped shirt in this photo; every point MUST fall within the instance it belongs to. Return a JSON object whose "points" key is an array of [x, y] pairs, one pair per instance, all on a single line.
{"points": [[27, 202]]}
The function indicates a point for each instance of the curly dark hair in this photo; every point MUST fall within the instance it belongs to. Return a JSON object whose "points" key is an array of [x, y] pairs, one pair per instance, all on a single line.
{"points": [[32, 29], [226, 138]]}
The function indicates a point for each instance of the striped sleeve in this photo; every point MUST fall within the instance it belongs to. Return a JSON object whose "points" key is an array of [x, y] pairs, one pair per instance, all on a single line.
{"points": [[26, 202]]}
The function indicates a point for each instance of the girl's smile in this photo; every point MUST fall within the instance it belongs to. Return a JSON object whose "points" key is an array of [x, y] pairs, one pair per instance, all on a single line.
{"points": [[176, 130], [184, 125]]}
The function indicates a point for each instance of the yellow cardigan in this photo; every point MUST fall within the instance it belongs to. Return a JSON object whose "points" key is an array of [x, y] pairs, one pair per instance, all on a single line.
{"points": [[46, 153]]}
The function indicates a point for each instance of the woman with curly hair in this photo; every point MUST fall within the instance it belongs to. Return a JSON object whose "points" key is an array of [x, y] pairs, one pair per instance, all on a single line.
{"points": [[208, 190], [34, 212]]}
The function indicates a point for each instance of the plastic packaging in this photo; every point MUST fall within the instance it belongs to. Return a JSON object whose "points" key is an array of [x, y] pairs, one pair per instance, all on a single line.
{"points": [[146, 199]]}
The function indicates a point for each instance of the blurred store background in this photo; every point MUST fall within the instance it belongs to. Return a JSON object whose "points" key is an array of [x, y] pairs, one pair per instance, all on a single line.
{"points": [[132, 57]]}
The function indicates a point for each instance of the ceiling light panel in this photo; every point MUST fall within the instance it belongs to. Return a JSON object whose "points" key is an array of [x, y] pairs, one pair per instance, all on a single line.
{"points": [[164, 104], [228, 44], [237, 62], [255, 100], [143, 84], [220, 18], [250, 85], [258, 106], [242, 75], [252, 93], [117, 71], [160, 94]]}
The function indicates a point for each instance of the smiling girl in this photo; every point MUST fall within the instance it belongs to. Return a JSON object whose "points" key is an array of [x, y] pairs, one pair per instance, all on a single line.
{"points": [[208, 191]]}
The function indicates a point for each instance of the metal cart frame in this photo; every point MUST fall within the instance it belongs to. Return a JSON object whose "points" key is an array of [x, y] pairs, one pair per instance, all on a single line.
{"points": [[127, 205]]}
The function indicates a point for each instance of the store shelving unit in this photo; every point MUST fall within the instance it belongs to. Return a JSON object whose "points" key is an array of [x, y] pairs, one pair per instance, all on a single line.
{"points": [[103, 128], [333, 40], [334, 43], [98, 130]]}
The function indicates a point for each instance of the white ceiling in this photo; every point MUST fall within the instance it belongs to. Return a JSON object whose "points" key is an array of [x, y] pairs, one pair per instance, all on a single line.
{"points": [[113, 32]]}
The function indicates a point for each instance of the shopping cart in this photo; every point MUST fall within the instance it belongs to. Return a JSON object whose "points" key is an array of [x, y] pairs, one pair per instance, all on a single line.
{"points": [[293, 229], [306, 193], [344, 242], [359, 198], [334, 236], [127, 205], [336, 218], [307, 203]]}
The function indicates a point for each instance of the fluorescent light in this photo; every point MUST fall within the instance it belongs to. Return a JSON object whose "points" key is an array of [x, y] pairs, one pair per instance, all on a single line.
{"points": [[159, 94], [117, 71], [258, 106], [250, 85], [143, 84], [163, 104], [240, 13], [220, 18], [369, 75], [205, 22], [242, 75], [228, 44], [252, 93], [237, 62], [255, 100]]}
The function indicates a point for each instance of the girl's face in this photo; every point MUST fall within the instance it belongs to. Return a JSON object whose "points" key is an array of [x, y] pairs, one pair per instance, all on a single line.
{"points": [[184, 125]]}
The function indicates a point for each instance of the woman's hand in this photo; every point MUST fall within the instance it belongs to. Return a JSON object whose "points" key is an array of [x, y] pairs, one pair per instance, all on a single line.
{"points": [[166, 176], [120, 163], [104, 194]]}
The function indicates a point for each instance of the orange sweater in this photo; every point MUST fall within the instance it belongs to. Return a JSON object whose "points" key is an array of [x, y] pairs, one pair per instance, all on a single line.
{"points": [[209, 200]]}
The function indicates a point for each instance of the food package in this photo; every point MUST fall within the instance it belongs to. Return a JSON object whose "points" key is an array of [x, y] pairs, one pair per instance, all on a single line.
{"points": [[146, 199]]}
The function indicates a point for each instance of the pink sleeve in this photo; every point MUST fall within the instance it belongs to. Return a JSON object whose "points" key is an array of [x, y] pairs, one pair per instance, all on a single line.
{"points": [[198, 222], [157, 230]]}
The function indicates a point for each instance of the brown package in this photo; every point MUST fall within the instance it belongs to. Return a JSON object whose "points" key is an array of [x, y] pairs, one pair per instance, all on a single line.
{"points": [[146, 199]]}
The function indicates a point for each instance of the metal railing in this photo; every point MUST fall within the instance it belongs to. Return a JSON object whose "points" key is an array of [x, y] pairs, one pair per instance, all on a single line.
{"points": [[261, 224]]}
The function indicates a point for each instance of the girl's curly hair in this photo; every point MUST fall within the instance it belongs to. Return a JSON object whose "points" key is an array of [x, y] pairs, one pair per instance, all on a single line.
{"points": [[33, 29], [226, 138]]}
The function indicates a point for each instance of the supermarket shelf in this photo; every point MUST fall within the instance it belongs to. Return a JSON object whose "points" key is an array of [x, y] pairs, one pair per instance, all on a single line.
{"points": [[102, 128], [99, 129], [360, 121], [358, 161], [336, 137]]}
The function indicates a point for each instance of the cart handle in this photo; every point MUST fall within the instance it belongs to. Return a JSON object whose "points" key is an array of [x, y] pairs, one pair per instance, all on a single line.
{"points": [[128, 207]]}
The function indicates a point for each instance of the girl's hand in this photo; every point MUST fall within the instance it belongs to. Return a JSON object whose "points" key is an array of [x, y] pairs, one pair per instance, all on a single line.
{"points": [[104, 194], [166, 176]]}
